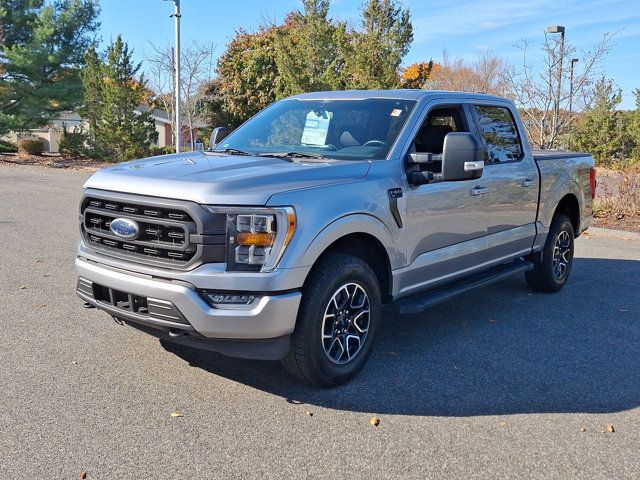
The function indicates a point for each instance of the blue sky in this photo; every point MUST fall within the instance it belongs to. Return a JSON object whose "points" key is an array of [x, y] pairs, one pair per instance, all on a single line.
{"points": [[460, 27]]}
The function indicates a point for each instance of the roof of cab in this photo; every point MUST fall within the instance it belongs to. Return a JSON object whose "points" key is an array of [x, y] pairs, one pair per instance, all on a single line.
{"points": [[400, 94]]}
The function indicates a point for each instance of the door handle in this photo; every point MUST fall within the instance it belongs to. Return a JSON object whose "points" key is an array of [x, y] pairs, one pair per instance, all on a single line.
{"points": [[479, 191], [527, 182]]}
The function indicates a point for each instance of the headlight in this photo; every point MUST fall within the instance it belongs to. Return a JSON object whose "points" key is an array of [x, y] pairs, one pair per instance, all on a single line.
{"points": [[256, 237]]}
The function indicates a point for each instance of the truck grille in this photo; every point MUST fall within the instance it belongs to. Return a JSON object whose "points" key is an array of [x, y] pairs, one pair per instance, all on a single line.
{"points": [[168, 235]]}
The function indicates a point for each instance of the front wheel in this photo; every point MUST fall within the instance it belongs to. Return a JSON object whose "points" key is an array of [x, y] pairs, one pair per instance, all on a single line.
{"points": [[551, 272], [337, 323]]}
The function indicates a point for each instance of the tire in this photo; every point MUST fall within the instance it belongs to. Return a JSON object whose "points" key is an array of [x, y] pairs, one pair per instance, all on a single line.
{"points": [[340, 301], [552, 270]]}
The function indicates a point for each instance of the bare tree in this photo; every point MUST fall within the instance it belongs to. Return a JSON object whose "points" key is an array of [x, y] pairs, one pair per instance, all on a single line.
{"points": [[488, 73], [196, 69], [544, 91]]}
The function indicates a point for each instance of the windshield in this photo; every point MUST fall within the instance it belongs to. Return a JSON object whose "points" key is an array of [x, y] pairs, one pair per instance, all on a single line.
{"points": [[340, 129]]}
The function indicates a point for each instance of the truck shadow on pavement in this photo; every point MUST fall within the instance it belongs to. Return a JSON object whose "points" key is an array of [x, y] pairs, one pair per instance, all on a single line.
{"points": [[499, 350]]}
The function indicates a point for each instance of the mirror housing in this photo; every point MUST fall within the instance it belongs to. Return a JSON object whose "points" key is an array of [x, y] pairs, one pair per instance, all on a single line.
{"points": [[217, 135], [423, 157], [462, 157]]}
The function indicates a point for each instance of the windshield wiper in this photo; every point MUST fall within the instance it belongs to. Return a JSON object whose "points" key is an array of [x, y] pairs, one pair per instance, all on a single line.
{"points": [[290, 155], [234, 151]]}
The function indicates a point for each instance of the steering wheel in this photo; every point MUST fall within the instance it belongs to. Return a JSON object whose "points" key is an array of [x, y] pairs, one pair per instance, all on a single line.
{"points": [[374, 143]]}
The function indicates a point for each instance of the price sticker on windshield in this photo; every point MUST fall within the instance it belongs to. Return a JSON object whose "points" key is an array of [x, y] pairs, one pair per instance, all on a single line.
{"points": [[396, 112], [316, 128]]}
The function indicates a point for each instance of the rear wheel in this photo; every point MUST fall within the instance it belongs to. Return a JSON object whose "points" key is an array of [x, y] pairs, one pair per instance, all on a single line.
{"points": [[337, 323], [551, 272]]}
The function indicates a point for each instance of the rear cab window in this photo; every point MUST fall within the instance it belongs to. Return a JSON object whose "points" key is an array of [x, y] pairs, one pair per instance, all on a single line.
{"points": [[498, 128]]}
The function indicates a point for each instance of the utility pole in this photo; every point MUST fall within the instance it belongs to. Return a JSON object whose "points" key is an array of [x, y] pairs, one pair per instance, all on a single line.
{"points": [[176, 15], [573, 62], [556, 114]]}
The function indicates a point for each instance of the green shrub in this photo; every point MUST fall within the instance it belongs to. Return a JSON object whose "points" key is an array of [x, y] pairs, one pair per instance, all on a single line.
{"points": [[7, 147], [73, 144], [166, 150], [30, 146]]}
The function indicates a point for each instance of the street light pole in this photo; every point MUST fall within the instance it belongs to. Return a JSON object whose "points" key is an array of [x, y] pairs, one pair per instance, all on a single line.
{"points": [[556, 114], [573, 62], [176, 15]]}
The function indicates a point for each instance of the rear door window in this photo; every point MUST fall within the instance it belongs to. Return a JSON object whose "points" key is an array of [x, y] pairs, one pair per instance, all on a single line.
{"points": [[500, 133]]}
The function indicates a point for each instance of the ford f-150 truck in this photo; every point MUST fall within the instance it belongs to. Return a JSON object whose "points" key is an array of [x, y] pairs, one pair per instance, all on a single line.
{"points": [[285, 239]]}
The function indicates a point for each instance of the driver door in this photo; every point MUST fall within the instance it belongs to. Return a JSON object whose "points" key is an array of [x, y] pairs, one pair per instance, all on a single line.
{"points": [[446, 221]]}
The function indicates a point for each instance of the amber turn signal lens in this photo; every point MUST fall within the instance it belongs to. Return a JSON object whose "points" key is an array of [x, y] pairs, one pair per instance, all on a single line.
{"points": [[257, 239]]}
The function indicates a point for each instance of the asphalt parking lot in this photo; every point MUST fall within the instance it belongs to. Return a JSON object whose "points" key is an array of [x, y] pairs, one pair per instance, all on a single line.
{"points": [[499, 383]]}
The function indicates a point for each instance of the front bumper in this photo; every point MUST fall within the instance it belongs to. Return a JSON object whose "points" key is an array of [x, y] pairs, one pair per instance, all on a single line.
{"points": [[177, 311]]}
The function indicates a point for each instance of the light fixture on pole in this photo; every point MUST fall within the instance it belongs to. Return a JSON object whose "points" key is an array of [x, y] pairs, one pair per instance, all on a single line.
{"points": [[176, 63], [556, 114]]}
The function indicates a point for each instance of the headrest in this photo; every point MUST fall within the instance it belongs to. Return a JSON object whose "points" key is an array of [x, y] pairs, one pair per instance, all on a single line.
{"points": [[348, 140]]}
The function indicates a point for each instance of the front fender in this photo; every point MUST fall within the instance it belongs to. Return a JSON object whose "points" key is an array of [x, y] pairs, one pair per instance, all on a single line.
{"points": [[351, 224]]}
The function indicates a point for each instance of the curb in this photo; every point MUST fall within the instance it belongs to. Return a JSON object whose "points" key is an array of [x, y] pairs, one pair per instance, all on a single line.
{"points": [[608, 232]]}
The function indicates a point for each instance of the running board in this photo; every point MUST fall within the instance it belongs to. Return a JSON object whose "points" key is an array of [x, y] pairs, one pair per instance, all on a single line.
{"points": [[418, 303]]}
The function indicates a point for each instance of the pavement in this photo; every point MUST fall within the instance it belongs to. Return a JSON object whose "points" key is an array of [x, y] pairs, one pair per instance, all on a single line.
{"points": [[498, 383]]}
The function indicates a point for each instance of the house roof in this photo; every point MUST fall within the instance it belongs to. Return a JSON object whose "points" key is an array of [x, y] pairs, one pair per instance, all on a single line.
{"points": [[158, 115]]}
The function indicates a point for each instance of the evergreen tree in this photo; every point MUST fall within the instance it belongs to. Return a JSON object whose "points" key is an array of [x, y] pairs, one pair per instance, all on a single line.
{"points": [[307, 54], [602, 130], [41, 52], [373, 56], [116, 130]]}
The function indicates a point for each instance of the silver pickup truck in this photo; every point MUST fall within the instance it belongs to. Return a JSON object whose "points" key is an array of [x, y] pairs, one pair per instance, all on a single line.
{"points": [[286, 238]]}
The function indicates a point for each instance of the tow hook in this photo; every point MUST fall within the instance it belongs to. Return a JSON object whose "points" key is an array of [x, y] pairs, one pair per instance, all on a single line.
{"points": [[88, 305], [176, 333], [117, 320]]}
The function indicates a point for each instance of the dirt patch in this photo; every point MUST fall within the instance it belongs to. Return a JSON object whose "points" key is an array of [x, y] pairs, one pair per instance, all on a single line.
{"points": [[52, 160], [628, 224]]}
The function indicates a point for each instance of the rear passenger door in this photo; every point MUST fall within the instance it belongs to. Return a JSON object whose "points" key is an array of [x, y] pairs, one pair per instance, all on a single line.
{"points": [[514, 182]]}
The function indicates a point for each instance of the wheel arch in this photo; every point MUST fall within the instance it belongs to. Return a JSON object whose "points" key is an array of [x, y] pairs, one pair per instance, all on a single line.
{"points": [[362, 237], [570, 207]]}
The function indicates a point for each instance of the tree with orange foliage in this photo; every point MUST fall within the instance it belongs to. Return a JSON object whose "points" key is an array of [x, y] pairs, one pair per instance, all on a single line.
{"points": [[417, 74]]}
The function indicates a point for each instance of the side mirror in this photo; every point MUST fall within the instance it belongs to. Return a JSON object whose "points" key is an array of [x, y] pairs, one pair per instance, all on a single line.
{"points": [[217, 136], [462, 157]]}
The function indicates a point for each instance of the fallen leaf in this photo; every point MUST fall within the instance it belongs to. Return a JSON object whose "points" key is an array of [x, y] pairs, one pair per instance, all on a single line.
{"points": [[610, 428], [503, 424], [583, 429], [375, 421], [38, 261], [83, 475], [176, 414], [74, 362], [42, 305], [23, 287], [310, 413]]}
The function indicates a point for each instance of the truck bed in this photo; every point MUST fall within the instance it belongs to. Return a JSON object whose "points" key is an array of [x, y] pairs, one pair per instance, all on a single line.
{"points": [[541, 155]]}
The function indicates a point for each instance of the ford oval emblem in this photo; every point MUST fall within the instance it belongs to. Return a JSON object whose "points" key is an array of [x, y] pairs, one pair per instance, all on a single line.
{"points": [[124, 228]]}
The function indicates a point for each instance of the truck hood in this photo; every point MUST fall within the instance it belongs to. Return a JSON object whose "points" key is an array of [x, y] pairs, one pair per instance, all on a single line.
{"points": [[212, 178]]}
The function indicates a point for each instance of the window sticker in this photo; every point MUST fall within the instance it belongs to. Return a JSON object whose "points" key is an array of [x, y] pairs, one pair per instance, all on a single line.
{"points": [[316, 128], [396, 112]]}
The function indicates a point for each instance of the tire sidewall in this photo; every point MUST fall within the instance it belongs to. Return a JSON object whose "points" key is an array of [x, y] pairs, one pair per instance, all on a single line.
{"points": [[312, 315], [562, 224]]}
